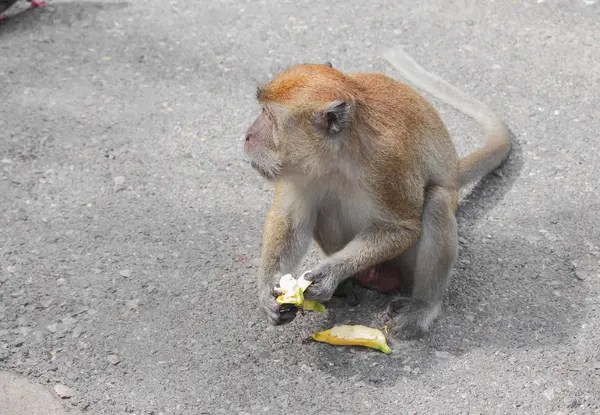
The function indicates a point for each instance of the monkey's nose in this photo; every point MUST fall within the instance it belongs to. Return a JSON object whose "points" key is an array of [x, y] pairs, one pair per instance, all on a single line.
{"points": [[248, 137]]}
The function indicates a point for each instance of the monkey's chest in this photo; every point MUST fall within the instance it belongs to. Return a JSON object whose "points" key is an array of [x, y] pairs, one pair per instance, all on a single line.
{"points": [[338, 222]]}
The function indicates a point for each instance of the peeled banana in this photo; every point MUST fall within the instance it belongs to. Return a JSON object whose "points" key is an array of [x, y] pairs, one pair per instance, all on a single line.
{"points": [[354, 335], [292, 292]]}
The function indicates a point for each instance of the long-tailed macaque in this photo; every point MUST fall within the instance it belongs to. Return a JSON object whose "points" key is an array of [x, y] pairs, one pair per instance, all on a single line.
{"points": [[365, 167]]}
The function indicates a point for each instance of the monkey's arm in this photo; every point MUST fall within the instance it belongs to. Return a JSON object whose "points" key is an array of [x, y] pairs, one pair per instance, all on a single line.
{"points": [[284, 244], [379, 243]]}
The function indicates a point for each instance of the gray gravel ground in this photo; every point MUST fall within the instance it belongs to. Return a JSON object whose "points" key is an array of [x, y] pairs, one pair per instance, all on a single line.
{"points": [[130, 221]]}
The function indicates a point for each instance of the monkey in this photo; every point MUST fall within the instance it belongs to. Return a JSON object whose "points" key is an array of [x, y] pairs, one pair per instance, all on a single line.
{"points": [[365, 167]]}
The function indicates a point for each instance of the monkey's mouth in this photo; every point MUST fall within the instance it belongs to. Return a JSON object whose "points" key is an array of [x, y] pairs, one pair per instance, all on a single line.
{"points": [[264, 173]]}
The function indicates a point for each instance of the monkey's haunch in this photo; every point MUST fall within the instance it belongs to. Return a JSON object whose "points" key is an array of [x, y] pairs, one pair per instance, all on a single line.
{"points": [[382, 278]]}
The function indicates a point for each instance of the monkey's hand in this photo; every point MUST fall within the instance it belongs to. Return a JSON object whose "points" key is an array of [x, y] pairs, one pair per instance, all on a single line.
{"points": [[323, 284], [276, 314]]}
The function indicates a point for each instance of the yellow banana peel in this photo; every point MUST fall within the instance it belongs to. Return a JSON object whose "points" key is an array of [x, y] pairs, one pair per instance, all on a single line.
{"points": [[354, 335], [292, 292]]}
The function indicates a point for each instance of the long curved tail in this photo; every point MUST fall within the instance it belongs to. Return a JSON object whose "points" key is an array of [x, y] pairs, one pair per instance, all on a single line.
{"points": [[497, 146]]}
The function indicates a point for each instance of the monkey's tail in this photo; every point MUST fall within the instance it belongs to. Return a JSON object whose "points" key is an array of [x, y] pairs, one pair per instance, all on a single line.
{"points": [[497, 146]]}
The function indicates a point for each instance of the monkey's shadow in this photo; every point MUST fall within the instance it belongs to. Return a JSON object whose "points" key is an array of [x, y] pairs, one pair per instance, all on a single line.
{"points": [[506, 292]]}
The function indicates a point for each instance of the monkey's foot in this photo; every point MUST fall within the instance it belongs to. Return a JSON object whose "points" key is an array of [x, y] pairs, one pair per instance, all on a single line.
{"points": [[382, 278], [35, 4]]}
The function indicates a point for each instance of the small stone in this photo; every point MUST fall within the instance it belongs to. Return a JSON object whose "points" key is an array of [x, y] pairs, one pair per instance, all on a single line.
{"points": [[470, 317], [64, 391], [443, 355], [132, 304], [46, 303], [52, 327], [22, 321], [125, 273], [61, 281], [407, 368], [549, 394], [113, 359], [3, 277], [581, 275], [77, 331], [571, 402], [18, 293], [18, 342], [462, 240], [119, 183], [416, 370], [39, 336]]}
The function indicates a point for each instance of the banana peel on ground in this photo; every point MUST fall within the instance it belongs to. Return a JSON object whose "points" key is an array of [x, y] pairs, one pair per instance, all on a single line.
{"points": [[354, 335], [292, 292]]}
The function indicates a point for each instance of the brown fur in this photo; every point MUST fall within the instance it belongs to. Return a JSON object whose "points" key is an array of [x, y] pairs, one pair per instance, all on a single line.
{"points": [[364, 166]]}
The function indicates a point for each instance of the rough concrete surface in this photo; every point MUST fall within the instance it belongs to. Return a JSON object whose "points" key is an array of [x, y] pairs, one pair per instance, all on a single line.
{"points": [[18, 396], [130, 220]]}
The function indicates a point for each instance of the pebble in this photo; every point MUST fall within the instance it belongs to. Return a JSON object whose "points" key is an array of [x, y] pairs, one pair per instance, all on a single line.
{"points": [[549, 394], [77, 331], [39, 336], [132, 304], [46, 303], [113, 359], [581, 275], [18, 342], [60, 281], [119, 183], [18, 293], [3, 278], [22, 321], [52, 328], [63, 391], [125, 273]]}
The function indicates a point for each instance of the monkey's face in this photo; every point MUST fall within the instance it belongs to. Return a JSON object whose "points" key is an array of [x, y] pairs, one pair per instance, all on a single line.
{"points": [[304, 142], [262, 146]]}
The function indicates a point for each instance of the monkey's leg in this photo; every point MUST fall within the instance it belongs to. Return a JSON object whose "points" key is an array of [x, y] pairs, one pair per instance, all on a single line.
{"points": [[432, 259]]}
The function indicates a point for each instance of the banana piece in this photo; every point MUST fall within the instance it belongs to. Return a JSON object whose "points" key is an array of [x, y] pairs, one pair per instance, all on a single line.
{"points": [[292, 292], [354, 335]]}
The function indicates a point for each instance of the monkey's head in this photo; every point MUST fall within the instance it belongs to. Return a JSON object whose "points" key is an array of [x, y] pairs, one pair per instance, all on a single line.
{"points": [[305, 123]]}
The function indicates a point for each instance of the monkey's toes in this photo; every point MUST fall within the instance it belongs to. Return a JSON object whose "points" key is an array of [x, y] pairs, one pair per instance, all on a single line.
{"points": [[397, 305]]}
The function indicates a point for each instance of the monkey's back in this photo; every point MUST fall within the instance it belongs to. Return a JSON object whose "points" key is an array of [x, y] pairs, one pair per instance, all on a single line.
{"points": [[406, 129]]}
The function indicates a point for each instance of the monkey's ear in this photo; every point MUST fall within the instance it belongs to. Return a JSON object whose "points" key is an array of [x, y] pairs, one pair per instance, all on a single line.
{"points": [[333, 119], [329, 64]]}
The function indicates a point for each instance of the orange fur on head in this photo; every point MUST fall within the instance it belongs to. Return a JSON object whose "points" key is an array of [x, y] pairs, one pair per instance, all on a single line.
{"points": [[307, 83]]}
